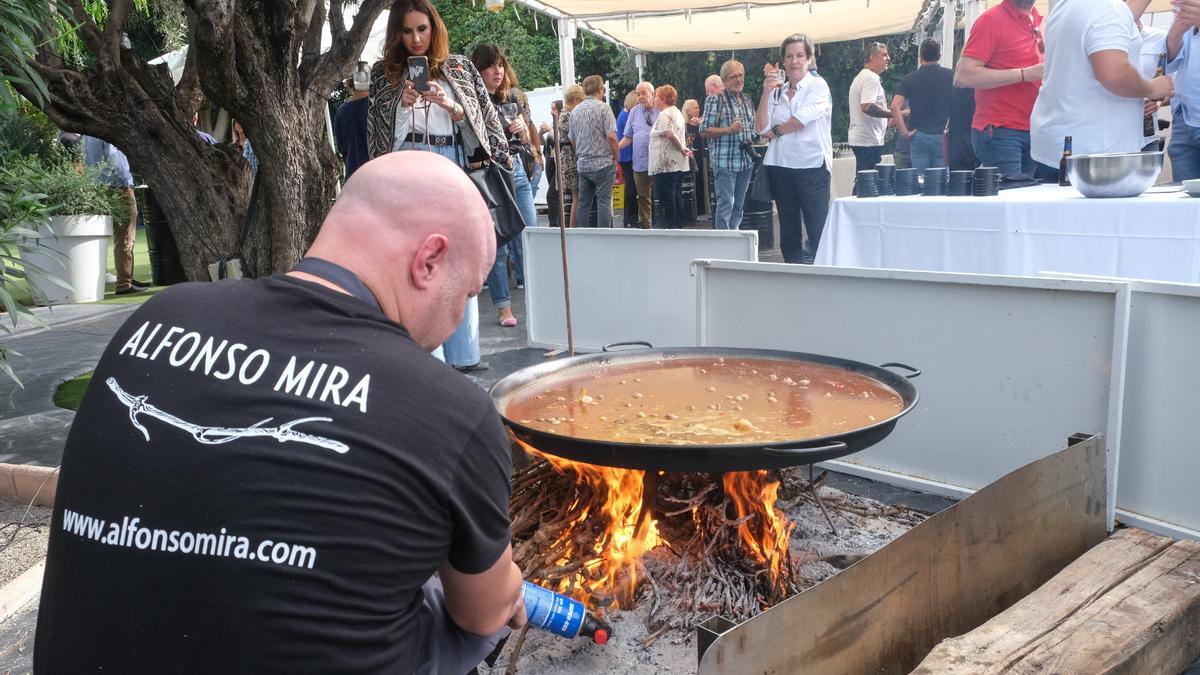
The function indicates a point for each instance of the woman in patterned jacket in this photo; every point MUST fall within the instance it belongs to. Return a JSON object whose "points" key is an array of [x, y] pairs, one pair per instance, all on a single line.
{"points": [[453, 117]]}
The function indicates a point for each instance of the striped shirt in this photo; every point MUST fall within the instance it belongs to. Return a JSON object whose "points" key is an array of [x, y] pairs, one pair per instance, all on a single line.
{"points": [[591, 123], [722, 110]]}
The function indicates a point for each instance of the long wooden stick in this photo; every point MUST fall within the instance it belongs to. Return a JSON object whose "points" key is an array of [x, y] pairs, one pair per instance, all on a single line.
{"points": [[562, 233]]}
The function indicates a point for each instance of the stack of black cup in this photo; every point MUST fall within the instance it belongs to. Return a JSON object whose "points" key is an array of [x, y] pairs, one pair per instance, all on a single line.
{"points": [[887, 178], [960, 183], [867, 183], [986, 182], [936, 181], [906, 182]]}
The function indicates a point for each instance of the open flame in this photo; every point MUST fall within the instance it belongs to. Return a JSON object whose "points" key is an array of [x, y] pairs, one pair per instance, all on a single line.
{"points": [[767, 532], [602, 569]]}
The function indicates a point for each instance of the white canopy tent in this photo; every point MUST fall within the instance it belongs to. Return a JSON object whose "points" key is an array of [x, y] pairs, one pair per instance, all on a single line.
{"points": [[701, 25]]}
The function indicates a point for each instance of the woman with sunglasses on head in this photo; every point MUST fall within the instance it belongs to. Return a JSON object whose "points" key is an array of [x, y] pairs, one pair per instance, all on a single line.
{"points": [[501, 82], [794, 116], [453, 117]]}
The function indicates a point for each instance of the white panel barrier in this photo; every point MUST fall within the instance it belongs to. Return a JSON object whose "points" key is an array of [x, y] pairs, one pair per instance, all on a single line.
{"points": [[1159, 486], [625, 284], [1011, 366]]}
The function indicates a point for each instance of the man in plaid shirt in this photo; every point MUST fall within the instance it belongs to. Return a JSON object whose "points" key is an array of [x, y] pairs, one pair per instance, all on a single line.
{"points": [[728, 125]]}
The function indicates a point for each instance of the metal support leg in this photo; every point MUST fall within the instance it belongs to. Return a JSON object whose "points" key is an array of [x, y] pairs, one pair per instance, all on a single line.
{"points": [[812, 489]]}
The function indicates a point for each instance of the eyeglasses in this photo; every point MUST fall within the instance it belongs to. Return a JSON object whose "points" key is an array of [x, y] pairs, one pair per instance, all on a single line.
{"points": [[1037, 38], [649, 118]]}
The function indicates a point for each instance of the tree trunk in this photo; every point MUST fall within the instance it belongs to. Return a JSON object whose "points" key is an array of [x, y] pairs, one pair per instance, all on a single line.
{"points": [[262, 63]]}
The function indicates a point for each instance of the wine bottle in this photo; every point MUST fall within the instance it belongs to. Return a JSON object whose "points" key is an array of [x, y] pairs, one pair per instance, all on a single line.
{"points": [[561, 615], [1148, 128], [1063, 179]]}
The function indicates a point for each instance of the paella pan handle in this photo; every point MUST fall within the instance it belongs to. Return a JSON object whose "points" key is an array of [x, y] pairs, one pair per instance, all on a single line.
{"points": [[631, 343], [913, 372], [802, 451]]}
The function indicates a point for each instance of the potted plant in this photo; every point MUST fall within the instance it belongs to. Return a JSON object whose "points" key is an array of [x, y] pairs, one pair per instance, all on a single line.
{"points": [[73, 243]]}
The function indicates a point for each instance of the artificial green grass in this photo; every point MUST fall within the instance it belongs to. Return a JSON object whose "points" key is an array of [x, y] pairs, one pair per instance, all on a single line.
{"points": [[69, 393]]}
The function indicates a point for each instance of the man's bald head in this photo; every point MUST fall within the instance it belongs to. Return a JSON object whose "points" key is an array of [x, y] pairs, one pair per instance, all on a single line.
{"points": [[414, 228]]}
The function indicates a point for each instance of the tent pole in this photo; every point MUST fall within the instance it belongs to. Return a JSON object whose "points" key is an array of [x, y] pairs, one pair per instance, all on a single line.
{"points": [[566, 51], [949, 18], [973, 9]]}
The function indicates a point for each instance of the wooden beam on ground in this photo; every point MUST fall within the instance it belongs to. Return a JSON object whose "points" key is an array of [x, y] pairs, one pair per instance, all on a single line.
{"points": [[944, 577], [1130, 605], [992, 646]]}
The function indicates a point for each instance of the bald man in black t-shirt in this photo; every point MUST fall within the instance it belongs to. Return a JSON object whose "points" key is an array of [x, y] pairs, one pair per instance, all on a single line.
{"points": [[264, 475]]}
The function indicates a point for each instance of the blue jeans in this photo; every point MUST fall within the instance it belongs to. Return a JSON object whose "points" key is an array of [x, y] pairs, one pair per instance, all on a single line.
{"points": [[731, 196], [595, 187], [668, 186], [497, 279], [927, 151], [461, 348], [1184, 150], [1005, 149]]}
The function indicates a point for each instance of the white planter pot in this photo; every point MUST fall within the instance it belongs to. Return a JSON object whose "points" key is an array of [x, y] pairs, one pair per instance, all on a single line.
{"points": [[83, 243]]}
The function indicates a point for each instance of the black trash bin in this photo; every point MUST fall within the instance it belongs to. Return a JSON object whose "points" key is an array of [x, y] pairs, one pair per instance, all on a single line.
{"points": [[757, 215], [165, 268]]}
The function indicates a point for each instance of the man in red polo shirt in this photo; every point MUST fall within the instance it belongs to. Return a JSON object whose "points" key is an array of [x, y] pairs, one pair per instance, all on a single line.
{"points": [[1002, 61]]}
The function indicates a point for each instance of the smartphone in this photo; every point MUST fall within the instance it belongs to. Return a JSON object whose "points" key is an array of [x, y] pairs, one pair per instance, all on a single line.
{"points": [[418, 72]]}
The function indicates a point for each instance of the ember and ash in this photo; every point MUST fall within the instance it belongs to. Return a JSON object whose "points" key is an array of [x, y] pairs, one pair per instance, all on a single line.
{"points": [[692, 545]]}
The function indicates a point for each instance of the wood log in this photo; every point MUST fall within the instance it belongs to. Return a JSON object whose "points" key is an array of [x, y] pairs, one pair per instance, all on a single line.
{"points": [[1129, 605]]}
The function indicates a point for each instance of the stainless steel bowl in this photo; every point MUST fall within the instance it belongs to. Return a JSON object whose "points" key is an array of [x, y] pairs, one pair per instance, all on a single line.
{"points": [[1118, 174]]}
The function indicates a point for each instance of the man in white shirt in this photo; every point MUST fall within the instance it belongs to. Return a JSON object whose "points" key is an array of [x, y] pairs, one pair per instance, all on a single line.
{"points": [[1092, 91], [869, 111], [1184, 65]]}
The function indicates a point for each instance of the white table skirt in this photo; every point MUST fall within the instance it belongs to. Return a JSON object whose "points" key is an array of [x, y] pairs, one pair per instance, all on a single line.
{"points": [[1045, 228]]}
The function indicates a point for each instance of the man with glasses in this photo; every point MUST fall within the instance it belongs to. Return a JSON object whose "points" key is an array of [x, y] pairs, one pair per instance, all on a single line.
{"points": [[728, 124], [869, 112], [637, 133], [1003, 62]]}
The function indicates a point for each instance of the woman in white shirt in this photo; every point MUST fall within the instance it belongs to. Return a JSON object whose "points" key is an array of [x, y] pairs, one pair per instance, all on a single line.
{"points": [[669, 155], [794, 115]]}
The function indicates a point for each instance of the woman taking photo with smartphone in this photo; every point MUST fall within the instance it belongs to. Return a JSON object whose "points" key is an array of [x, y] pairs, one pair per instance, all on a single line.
{"points": [[501, 83], [794, 115], [425, 98]]}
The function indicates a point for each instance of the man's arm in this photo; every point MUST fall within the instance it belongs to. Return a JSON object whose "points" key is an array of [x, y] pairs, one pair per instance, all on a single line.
{"points": [[1178, 31], [975, 74], [612, 143], [483, 603], [869, 106], [1114, 71], [898, 115]]}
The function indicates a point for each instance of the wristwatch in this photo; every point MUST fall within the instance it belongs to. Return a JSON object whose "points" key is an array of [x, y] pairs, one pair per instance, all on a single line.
{"points": [[775, 130]]}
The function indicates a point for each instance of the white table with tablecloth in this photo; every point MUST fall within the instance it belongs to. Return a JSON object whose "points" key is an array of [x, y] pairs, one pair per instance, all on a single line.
{"points": [[1020, 232]]}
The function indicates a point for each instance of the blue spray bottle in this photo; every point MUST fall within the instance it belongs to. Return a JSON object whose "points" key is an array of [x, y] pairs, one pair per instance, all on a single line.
{"points": [[562, 615]]}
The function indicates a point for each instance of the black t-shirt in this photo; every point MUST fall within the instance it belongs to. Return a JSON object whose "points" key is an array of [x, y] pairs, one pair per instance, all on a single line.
{"points": [[350, 132], [929, 92], [260, 477]]}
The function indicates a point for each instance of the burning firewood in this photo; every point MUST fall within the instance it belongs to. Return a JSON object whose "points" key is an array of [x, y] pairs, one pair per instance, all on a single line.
{"points": [[718, 546]]}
